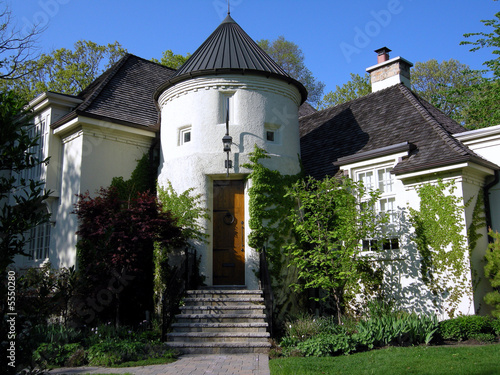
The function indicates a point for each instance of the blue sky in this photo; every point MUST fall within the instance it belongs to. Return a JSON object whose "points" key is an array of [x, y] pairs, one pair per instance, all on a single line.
{"points": [[337, 37]]}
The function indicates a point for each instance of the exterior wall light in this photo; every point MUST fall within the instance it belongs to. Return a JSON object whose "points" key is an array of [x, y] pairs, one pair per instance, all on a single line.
{"points": [[227, 141]]}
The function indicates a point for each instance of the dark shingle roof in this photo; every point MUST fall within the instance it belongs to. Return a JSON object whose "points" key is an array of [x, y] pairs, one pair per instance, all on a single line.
{"points": [[229, 50], [385, 118], [123, 93]]}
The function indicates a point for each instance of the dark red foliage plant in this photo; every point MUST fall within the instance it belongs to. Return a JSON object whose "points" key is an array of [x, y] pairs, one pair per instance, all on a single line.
{"points": [[115, 251]]}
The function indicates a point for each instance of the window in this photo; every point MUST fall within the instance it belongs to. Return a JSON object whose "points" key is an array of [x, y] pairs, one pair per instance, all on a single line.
{"points": [[185, 135], [40, 131], [38, 243], [226, 103], [272, 133], [383, 180], [270, 136]]}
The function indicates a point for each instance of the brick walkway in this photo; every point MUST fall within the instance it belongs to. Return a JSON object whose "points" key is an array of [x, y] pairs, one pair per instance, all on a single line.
{"points": [[213, 364]]}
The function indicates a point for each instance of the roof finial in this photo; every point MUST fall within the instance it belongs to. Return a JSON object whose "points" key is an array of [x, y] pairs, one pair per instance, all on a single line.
{"points": [[228, 9]]}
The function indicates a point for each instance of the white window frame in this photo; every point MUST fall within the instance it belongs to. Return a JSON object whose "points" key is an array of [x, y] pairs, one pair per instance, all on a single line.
{"points": [[38, 242], [380, 177], [182, 135]]}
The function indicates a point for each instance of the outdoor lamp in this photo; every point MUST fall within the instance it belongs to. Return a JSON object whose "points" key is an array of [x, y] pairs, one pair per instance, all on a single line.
{"points": [[227, 141]]}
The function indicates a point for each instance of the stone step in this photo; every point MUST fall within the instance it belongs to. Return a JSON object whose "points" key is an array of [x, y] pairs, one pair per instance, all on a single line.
{"points": [[220, 347], [218, 337], [219, 327], [212, 301], [216, 293], [220, 318], [224, 309]]}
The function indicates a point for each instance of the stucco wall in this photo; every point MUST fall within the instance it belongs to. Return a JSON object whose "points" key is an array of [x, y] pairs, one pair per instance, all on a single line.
{"points": [[258, 104]]}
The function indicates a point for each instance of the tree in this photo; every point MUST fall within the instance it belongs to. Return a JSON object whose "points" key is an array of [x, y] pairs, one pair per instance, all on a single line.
{"points": [[484, 92], [355, 88], [66, 71], [331, 219], [290, 57], [16, 46], [170, 60], [21, 198], [435, 82]]}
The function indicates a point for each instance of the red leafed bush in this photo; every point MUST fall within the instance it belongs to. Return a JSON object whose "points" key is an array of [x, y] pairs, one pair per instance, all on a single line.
{"points": [[116, 238]]}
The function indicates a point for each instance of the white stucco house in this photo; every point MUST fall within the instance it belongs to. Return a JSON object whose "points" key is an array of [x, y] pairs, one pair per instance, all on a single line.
{"points": [[391, 139]]}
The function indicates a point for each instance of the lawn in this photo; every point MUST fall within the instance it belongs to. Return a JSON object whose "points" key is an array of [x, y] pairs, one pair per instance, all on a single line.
{"points": [[453, 360]]}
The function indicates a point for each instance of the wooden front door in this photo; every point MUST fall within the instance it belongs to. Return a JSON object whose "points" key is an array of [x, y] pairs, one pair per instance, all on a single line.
{"points": [[229, 233]]}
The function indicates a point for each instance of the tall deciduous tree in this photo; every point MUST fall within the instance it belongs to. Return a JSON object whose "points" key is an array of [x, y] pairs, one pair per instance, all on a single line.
{"points": [[17, 46], [332, 217], [21, 197], [357, 87], [484, 92], [433, 80], [171, 60], [290, 57], [64, 70]]}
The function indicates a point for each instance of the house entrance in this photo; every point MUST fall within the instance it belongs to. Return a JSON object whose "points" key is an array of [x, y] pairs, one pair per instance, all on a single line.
{"points": [[229, 233]]}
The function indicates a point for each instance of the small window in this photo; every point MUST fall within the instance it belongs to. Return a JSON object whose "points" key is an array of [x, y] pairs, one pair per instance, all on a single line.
{"points": [[272, 133], [184, 135], [270, 136]]}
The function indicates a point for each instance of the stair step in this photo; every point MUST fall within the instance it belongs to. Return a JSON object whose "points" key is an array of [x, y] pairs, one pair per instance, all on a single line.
{"points": [[217, 301], [221, 347], [219, 327], [219, 318], [224, 309], [218, 337]]}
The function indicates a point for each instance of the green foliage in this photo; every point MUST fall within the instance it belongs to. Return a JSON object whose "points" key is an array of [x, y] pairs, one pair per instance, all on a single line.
{"points": [[432, 81], [483, 93], [324, 337], [187, 208], [21, 199], [357, 87], [324, 345], [171, 60], [492, 273], [467, 327], [439, 236], [331, 218], [290, 57], [55, 354], [142, 179], [64, 70]]}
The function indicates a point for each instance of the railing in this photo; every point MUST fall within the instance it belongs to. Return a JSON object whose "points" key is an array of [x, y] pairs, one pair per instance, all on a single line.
{"points": [[265, 282], [182, 277]]}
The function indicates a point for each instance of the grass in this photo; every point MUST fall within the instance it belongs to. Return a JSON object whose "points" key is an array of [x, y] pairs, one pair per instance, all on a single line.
{"points": [[453, 360]]}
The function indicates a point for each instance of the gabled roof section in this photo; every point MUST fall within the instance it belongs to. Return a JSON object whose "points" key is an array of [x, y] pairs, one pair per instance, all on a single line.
{"points": [[230, 50], [377, 121], [123, 94]]}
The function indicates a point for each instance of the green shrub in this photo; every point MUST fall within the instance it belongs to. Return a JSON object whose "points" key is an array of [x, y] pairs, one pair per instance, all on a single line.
{"points": [[484, 337], [327, 345], [464, 327], [53, 354]]}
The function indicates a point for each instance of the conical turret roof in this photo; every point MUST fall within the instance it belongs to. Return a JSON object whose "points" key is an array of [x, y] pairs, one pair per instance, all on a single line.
{"points": [[229, 50]]}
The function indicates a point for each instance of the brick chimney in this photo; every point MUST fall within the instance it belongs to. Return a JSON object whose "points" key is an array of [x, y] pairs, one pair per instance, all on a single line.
{"points": [[389, 72]]}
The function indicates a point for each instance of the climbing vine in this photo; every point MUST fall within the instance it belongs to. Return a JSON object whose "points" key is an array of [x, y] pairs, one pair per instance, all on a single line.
{"points": [[439, 236], [269, 208]]}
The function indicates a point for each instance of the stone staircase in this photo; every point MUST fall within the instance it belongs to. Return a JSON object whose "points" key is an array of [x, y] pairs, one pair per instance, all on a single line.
{"points": [[221, 321]]}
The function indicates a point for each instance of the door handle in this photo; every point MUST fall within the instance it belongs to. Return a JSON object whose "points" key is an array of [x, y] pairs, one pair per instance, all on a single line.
{"points": [[243, 236]]}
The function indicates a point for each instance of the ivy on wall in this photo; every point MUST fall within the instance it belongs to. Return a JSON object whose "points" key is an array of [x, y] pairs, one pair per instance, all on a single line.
{"points": [[441, 242]]}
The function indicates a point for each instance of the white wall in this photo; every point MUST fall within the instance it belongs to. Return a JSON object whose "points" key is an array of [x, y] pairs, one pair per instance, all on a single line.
{"points": [[258, 103]]}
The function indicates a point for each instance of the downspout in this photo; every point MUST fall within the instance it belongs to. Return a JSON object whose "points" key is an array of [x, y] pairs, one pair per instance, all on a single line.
{"points": [[487, 208]]}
